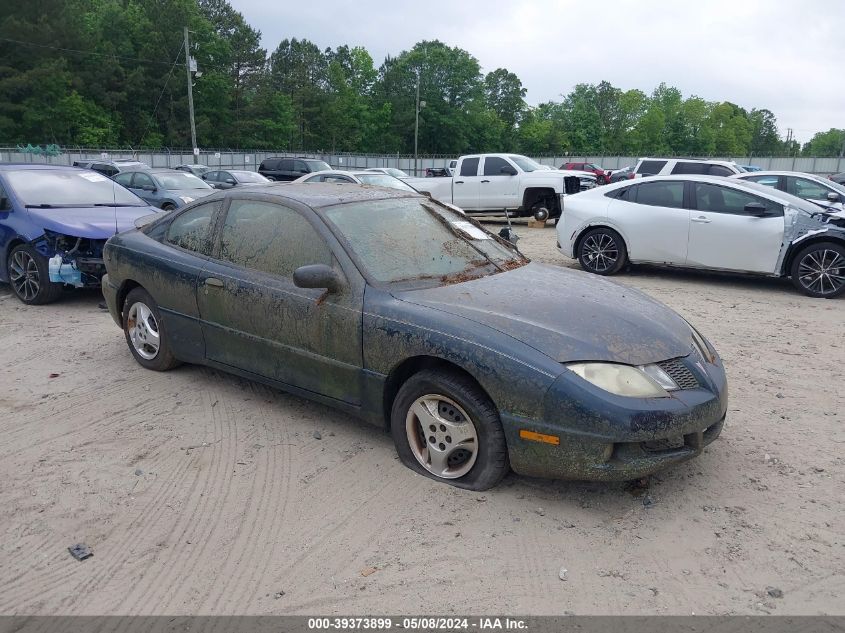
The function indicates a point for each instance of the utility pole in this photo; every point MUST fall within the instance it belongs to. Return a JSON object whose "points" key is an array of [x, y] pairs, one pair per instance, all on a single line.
{"points": [[417, 124], [188, 64]]}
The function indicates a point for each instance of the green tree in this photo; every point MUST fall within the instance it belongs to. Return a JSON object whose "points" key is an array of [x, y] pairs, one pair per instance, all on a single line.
{"points": [[830, 143]]}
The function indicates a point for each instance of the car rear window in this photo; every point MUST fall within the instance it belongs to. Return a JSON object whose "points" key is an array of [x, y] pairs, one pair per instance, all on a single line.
{"points": [[690, 167]]}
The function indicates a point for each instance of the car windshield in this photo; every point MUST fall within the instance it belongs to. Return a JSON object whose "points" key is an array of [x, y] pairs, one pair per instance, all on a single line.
{"points": [[835, 186], [318, 165], [69, 188], [248, 176], [383, 180], [396, 173], [525, 163], [181, 180], [418, 241]]}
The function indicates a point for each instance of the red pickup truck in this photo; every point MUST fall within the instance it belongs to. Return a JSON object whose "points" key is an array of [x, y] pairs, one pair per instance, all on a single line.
{"points": [[602, 176]]}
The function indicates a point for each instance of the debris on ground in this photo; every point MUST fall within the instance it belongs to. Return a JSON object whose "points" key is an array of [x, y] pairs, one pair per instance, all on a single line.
{"points": [[562, 573], [317, 435], [54, 375], [278, 594], [647, 501], [138, 472], [774, 592], [80, 551], [638, 487], [368, 571], [540, 511]]}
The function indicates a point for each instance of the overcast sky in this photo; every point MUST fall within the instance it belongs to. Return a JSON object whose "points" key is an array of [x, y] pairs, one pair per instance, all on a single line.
{"points": [[784, 55]]}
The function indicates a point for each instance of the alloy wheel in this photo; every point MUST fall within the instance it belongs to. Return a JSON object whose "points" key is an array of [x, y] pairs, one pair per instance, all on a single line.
{"points": [[442, 436], [143, 331], [600, 252], [23, 273], [822, 271]]}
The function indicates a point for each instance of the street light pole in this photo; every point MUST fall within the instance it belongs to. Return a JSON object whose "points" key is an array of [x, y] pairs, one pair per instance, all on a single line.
{"points": [[417, 124], [190, 91]]}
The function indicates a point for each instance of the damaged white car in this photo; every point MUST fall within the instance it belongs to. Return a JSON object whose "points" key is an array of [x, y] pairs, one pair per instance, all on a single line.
{"points": [[706, 222]]}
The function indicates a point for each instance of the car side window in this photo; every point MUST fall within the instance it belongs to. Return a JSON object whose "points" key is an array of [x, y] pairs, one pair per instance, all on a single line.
{"points": [[493, 166], [143, 180], [625, 193], [650, 167], [469, 167], [806, 189], [124, 179], [300, 166], [5, 203], [286, 164], [191, 229], [337, 179], [719, 170], [270, 238], [224, 176], [661, 194], [728, 200], [686, 167]]}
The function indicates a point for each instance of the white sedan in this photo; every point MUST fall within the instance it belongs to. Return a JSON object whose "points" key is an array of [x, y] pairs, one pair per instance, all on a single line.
{"points": [[706, 222], [822, 191], [357, 177]]}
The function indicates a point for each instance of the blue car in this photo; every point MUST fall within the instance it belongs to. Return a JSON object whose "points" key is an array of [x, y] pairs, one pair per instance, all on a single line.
{"points": [[54, 222]]}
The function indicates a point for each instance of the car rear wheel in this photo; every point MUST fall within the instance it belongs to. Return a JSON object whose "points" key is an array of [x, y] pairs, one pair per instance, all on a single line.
{"points": [[29, 276], [819, 270], [602, 251], [446, 428], [144, 332], [168, 206]]}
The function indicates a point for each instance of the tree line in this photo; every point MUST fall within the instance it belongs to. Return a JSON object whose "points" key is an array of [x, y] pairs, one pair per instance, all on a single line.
{"points": [[111, 73]]}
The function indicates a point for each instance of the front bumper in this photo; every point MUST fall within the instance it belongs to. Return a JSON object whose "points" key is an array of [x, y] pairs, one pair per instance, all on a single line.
{"points": [[602, 437], [110, 295]]}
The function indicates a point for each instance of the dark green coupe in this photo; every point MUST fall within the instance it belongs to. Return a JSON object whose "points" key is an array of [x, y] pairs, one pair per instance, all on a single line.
{"points": [[402, 311]]}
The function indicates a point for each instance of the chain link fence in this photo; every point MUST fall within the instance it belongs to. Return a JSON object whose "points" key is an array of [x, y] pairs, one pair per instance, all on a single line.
{"points": [[251, 159]]}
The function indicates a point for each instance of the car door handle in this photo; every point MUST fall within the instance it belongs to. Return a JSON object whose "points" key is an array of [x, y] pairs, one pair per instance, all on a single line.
{"points": [[701, 220], [213, 282], [485, 181], [459, 182]]}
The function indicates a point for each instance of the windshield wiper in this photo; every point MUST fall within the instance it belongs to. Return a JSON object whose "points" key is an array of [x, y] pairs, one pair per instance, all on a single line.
{"points": [[47, 205], [116, 204]]}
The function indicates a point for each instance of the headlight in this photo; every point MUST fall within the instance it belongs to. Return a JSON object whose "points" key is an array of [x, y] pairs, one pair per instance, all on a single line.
{"points": [[648, 381], [186, 199]]}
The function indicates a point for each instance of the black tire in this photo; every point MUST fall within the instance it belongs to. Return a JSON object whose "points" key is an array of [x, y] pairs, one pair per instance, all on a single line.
{"points": [[29, 276], [602, 251], [819, 270], [168, 207], [491, 454], [163, 358]]}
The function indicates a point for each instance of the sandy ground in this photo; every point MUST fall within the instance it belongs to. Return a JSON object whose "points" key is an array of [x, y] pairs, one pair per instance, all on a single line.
{"points": [[203, 493]]}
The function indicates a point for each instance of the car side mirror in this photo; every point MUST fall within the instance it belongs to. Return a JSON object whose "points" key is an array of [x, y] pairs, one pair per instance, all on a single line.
{"points": [[317, 276], [151, 188], [833, 196], [5, 205], [756, 209], [231, 181], [508, 170]]}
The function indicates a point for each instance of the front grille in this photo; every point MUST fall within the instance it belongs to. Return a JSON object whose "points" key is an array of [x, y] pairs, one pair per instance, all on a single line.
{"points": [[664, 445], [678, 372]]}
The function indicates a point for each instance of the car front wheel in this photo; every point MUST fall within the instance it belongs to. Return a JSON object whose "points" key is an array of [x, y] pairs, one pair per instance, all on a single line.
{"points": [[144, 332], [819, 270], [29, 276], [446, 428], [602, 251]]}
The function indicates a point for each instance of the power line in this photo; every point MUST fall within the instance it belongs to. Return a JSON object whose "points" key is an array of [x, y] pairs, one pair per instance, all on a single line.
{"points": [[158, 101], [73, 50]]}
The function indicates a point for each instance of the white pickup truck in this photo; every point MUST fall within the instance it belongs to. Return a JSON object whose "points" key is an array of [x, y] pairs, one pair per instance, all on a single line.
{"points": [[491, 183]]}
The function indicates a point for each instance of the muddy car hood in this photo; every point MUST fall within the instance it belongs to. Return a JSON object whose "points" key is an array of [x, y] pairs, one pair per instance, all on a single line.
{"points": [[565, 314], [97, 223]]}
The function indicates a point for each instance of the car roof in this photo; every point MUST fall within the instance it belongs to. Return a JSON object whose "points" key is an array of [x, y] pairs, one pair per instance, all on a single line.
{"points": [[20, 166], [779, 173], [318, 195]]}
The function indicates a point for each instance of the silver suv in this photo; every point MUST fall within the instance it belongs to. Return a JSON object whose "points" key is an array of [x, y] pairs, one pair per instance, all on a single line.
{"points": [[685, 166]]}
